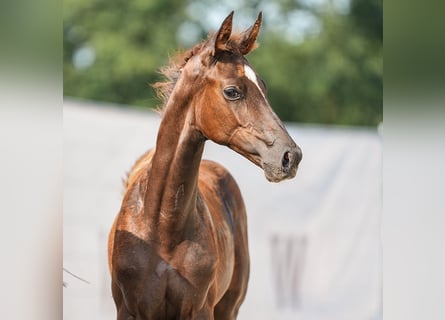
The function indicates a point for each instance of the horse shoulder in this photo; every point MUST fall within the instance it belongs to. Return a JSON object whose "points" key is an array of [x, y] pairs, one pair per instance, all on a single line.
{"points": [[128, 218], [215, 181]]}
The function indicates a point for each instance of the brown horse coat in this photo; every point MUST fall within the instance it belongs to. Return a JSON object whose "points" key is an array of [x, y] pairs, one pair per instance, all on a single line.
{"points": [[178, 247]]}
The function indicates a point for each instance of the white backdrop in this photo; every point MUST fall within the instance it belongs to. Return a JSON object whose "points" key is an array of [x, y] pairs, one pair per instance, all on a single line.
{"points": [[314, 240]]}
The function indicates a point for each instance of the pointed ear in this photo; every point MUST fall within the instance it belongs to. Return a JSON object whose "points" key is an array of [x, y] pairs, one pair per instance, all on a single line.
{"points": [[223, 34], [248, 37]]}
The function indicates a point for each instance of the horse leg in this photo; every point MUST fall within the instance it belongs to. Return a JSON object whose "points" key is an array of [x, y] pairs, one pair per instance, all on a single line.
{"points": [[205, 314], [124, 315], [122, 312], [227, 308]]}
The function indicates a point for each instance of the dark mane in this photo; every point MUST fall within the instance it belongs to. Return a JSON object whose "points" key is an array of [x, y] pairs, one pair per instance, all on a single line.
{"points": [[173, 70]]}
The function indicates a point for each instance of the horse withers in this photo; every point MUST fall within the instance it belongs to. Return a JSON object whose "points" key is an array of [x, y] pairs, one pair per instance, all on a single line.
{"points": [[178, 247]]}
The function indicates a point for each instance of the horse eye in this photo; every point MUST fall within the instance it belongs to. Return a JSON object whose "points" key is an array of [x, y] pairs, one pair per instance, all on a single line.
{"points": [[232, 93]]}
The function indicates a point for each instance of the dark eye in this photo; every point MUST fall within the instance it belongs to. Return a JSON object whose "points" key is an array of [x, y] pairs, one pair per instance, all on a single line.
{"points": [[232, 93]]}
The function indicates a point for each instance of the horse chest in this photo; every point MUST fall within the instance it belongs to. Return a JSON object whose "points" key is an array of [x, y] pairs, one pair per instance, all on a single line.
{"points": [[195, 263], [153, 284], [188, 277], [197, 273]]}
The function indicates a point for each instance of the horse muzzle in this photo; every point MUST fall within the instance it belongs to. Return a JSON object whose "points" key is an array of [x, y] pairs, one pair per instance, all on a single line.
{"points": [[283, 167], [277, 156]]}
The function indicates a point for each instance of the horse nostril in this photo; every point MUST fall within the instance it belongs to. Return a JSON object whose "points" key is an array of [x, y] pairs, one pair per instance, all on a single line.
{"points": [[286, 160]]}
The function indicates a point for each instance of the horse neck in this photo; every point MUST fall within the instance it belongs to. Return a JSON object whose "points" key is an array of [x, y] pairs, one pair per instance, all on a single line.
{"points": [[170, 201]]}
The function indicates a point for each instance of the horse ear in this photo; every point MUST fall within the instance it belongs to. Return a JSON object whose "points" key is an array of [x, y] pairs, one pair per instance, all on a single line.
{"points": [[223, 34], [248, 37]]}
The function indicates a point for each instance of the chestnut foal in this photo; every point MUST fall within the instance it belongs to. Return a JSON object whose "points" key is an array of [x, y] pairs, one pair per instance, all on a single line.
{"points": [[178, 247]]}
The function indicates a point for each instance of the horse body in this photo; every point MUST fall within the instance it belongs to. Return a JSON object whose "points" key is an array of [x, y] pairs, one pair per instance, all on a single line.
{"points": [[178, 247], [188, 281]]}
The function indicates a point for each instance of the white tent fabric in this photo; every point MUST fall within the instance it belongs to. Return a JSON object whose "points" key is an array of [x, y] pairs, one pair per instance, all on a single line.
{"points": [[314, 240]]}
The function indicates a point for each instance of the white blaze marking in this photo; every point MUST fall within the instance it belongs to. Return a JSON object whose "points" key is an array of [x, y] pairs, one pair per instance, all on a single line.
{"points": [[251, 75]]}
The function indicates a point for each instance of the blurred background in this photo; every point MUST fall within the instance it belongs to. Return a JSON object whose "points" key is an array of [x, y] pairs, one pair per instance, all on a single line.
{"points": [[315, 240], [35, 152], [321, 59]]}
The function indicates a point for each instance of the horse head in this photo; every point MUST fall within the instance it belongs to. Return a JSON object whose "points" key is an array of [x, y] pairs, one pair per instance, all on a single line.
{"points": [[231, 106]]}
